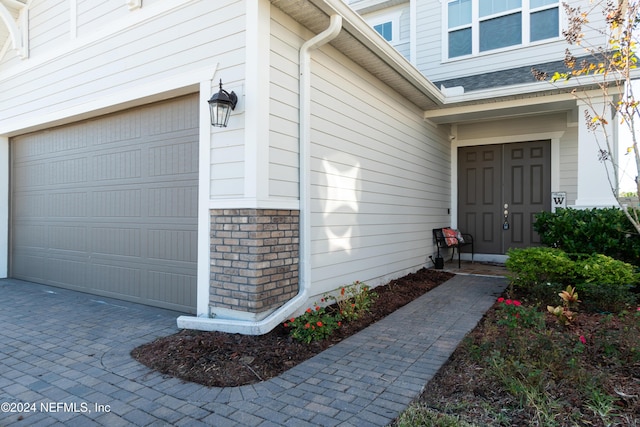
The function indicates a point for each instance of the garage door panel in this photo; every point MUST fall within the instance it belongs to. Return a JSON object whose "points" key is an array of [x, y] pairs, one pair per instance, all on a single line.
{"points": [[115, 129], [125, 242], [109, 206], [120, 165], [68, 171], [68, 238], [32, 236], [180, 202], [67, 205], [29, 264], [117, 203], [173, 245], [117, 280], [172, 286], [180, 115], [175, 159], [67, 271]]}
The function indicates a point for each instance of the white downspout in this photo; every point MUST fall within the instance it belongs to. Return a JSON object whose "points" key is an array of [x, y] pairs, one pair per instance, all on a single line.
{"points": [[304, 156], [268, 323]]}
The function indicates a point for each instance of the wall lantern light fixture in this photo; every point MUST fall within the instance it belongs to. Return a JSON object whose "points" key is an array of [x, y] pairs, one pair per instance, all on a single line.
{"points": [[220, 106]]}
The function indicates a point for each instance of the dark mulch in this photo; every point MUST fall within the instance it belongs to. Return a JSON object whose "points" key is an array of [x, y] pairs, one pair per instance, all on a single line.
{"points": [[225, 360]]}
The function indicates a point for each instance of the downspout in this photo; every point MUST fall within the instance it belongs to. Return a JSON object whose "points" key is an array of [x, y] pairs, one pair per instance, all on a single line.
{"points": [[272, 320]]}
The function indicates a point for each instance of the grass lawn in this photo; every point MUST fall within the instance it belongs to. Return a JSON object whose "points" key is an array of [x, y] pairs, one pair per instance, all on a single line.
{"points": [[524, 366]]}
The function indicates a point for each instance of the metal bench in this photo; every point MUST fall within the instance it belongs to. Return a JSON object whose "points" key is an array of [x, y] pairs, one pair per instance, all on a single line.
{"points": [[447, 237]]}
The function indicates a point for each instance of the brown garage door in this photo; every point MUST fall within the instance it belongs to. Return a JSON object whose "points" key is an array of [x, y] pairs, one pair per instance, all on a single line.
{"points": [[109, 205]]}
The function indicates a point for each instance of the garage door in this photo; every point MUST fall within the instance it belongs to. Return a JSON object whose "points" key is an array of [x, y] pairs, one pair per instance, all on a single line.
{"points": [[109, 205]]}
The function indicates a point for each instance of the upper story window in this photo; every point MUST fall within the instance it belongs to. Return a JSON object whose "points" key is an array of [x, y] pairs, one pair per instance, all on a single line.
{"points": [[386, 23], [475, 26], [385, 30]]}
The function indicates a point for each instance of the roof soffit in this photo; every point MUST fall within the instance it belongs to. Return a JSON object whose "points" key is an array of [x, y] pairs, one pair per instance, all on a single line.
{"points": [[368, 6], [365, 47]]}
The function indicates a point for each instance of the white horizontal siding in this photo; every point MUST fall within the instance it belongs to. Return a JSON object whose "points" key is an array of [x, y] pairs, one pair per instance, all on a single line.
{"points": [[192, 37], [227, 162], [283, 107], [569, 164], [93, 15], [380, 177], [428, 37], [48, 25]]}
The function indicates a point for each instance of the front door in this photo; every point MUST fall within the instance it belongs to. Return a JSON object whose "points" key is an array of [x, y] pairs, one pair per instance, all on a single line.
{"points": [[500, 189]]}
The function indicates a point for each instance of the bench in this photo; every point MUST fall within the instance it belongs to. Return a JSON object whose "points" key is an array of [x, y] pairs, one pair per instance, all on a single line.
{"points": [[447, 237]]}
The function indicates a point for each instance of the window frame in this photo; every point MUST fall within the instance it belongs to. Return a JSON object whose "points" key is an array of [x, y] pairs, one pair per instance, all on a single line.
{"points": [[385, 23], [526, 12], [382, 18]]}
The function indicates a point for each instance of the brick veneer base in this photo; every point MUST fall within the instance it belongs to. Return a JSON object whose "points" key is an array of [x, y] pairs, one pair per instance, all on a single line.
{"points": [[254, 259]]}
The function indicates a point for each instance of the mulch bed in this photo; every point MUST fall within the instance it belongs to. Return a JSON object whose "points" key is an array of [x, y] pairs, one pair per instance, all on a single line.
{"points": [[220, 359]]}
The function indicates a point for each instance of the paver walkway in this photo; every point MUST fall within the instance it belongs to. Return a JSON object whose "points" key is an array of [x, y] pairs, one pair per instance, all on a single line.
{"points": [[64, 360]]}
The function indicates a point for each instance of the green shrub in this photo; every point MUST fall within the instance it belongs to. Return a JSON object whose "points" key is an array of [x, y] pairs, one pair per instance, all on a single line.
{"points": [[538, 265], [605, 283], [600, 268], [540, 271], [588, 231]]}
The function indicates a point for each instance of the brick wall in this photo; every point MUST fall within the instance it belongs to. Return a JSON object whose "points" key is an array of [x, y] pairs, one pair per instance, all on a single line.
{"points": [[254, 258]]}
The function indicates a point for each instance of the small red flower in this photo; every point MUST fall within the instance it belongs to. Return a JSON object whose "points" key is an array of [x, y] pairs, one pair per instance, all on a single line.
{"points": [[317, 308], [293, 319], [342, 291], [307, 326], [516, 303], [583, 340], [339, 324], [508, 302], [500, 299], [319, 323], [308, 310], [286, 325]]}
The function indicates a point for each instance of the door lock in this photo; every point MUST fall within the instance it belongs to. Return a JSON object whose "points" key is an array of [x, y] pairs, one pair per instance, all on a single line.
{"points": [[505, 224]]}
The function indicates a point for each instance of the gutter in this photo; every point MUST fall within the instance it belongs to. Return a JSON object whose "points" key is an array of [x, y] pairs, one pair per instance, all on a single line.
{"points": [[265, 325]]}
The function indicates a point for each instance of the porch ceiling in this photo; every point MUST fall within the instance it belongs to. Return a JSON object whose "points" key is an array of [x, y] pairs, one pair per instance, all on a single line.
{"points": [[506, 107], [365, 47]]}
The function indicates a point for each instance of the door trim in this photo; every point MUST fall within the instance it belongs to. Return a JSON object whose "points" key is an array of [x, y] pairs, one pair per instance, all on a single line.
{"points": [[554, 137], [499, 240]]}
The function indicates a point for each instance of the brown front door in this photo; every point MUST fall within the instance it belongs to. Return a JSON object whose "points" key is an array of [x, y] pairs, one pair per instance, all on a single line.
{"points": [[500, 189]]}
